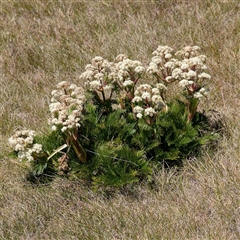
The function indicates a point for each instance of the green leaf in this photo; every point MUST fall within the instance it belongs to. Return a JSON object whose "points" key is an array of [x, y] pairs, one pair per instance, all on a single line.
{"points": [[39, 169]]}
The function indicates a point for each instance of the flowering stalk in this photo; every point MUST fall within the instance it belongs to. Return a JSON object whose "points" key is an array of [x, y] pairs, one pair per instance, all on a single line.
{"points": [[73, 141], [192, 108]]}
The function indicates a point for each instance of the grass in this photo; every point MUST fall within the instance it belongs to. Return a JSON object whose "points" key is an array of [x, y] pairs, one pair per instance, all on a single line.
{"points": [[45, 42]]}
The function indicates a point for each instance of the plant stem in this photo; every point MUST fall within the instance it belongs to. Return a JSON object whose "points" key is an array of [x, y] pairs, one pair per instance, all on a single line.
{"points": [[79, 150]]}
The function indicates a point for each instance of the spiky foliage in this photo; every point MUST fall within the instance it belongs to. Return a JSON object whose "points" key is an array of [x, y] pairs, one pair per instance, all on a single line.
{"points": [[172, 137]]}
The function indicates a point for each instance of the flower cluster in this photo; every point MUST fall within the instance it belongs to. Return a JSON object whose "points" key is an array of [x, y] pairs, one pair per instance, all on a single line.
{"points": [[188, 51], [22, 142], [186, 66], [192, 76], [100, 77], [103, 77], [162, 63], [129, 71], [147, 100], [66, 107]]}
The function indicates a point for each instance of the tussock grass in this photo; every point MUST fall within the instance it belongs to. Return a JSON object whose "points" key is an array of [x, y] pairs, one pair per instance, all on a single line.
{"points": [[45, 42]]}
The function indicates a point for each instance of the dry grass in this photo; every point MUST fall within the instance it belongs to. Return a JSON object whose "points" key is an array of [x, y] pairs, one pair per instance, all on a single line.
{"points": [[44, 42]]}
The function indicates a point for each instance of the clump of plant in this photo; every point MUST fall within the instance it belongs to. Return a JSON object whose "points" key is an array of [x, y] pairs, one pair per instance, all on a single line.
{"points": [[122, 123]]}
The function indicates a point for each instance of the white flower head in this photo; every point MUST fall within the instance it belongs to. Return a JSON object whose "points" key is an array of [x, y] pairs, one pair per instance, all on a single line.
{"points": [[54, 128], [137, 109], [107, 87], [162, 51], [155, 91], [146, 96], [204, 91], [156, 99], [22, 142], [184, 66], [204, 76], [149, 112], [184, 83], [197, 95], [139, 69], [191, 74], [157, 60], [97, 61], [171, 64], [121, 57], [127, 83], [94, 85], [137, 99], [176, 73], [63, 84], [152, 69], [139, 115], [161, 87], [170, 78], [168, 55]]}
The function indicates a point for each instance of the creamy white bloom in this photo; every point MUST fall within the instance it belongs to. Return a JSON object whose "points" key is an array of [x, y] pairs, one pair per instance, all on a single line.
{"points": [[97, 61], [139, 69], [63, 129], [162, 50], [23, 143], [127, 83], [161, 86], [99, 76], [144, 87], [191, 74], [63, 84], [157, 60], [170, 64], [137, 109], [127, 68], [168, 56], [204, 76], [29, 140], [29, 156], [184, 66], [88, 75], [197, 95], [155, 91], [149, 100], [37, 148], [183, 83], [121, 57], [66, 109], [54, 128], [93, 85], [19, 147], [188, 51], [73, 86], [149, 112], [107, 87], [204, 91], [137, 99], [176, 73], [139, 115], [152, 68], [170, 78], [156, 99], [146, 96]]}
